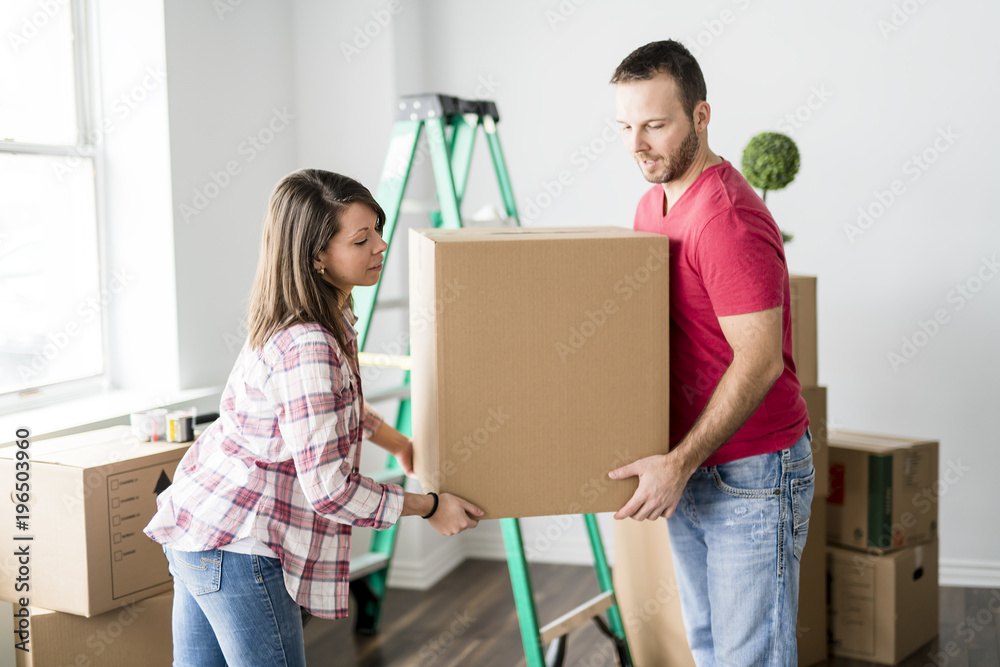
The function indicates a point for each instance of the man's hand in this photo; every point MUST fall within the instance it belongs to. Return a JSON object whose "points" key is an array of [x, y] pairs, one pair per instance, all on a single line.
{"points": [[661, 482]]}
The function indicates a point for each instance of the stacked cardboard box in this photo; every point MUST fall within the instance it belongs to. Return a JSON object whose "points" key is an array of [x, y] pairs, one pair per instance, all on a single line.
{"points": [[812, 622], [82, 559], [812, 625], [882, 545], [136, 634], [645, 584]]}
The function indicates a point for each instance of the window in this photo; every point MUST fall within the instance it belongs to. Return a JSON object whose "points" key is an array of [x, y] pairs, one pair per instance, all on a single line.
{"points": [[52, 327]]}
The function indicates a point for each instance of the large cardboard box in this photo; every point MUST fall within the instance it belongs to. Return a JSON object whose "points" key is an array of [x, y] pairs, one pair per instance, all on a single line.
{"points": [[883, 607], [804, 343], [540, 363], [883, 491], [137, 634], [811, 627], [816, 405], [646, 590], [91, 495]]}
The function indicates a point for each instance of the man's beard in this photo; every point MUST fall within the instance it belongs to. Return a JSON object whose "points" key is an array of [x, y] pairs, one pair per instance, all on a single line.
{"points": [[678, 163]]}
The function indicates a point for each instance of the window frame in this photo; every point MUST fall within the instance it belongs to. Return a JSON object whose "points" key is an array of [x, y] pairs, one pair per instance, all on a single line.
{"points": [[88, 146]]}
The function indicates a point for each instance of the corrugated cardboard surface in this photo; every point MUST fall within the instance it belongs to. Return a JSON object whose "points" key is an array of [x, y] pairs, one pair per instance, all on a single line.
{"points": [[816, 405], [895, 508], [540, 363], [136, 635], [91, 496], [811, 628], [804, 344], [646, 589], [883, 607]]}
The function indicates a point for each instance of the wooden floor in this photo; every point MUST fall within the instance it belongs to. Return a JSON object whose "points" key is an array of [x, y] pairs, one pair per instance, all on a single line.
{"points": [[468, 620]]}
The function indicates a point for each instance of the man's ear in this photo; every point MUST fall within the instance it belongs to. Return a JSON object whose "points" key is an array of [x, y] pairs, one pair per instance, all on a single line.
{"points": [[702, 115]]}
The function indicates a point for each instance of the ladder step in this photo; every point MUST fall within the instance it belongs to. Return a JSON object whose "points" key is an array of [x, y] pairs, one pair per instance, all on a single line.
{"points": [[389, 394], [389, 476], [365, 564], [577, 617], [380, 360], [419, 206], [389, 304]]}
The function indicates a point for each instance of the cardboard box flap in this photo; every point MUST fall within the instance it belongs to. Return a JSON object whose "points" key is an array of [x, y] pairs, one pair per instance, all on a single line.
{"points": [[874, 443], [469, 235]]}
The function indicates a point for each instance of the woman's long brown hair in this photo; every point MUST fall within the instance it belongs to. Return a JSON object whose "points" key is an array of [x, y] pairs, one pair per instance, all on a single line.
{"points": [[302, 217]]}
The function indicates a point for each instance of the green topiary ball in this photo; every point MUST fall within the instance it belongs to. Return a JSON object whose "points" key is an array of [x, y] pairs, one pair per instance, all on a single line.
{"points": [[770, 161]]}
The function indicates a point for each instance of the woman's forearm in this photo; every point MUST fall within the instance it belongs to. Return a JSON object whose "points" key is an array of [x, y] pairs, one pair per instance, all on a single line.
{"points": [[390, 439], [417, 504]]}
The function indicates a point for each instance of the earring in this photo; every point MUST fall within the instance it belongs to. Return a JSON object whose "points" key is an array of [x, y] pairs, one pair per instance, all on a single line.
{"points": [[321, 271]]}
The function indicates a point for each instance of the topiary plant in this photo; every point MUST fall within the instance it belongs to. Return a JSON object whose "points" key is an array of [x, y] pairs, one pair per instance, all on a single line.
{"points": [[770, 162]]}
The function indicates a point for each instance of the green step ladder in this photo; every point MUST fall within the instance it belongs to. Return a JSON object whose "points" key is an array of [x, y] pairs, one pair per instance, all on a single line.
{"points": [[451, 125]]}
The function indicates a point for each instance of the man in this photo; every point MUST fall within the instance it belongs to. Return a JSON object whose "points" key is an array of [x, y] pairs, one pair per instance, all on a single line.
{"points": [[737, 483]]}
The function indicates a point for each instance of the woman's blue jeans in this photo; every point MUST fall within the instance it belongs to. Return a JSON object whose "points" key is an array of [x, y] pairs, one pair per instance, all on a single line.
{"points": [[737, 536], [233, 609]]}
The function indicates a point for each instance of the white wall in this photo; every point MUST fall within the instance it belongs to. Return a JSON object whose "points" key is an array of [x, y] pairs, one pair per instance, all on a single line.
{"points": [[233, 135], [884, 99], [887, 98]]}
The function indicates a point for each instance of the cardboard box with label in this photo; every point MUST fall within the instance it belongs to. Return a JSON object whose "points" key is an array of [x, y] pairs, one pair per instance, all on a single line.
{"points": [[91, 496], [883, 491], [136, 634], [540, 363], [883, 607], [804, 341]]}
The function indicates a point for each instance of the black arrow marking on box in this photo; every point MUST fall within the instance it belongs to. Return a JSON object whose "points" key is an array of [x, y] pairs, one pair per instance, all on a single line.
{"points": [[162, 483]]}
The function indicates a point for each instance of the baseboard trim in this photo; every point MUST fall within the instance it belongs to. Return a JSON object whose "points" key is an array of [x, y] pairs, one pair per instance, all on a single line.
{"points": [[969, 573], [421, 574], [488, 545]]}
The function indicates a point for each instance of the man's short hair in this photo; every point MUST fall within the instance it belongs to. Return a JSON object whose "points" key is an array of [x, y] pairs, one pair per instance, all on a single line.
{"points": [[667, 57]]}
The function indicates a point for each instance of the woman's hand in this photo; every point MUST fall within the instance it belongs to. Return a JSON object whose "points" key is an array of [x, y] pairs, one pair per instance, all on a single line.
{"points": [[454, 515], [396, 444], [405, 459]]}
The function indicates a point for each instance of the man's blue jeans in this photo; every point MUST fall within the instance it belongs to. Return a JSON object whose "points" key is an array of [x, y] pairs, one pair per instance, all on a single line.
{"points": [[233, 608], [737, 536]]}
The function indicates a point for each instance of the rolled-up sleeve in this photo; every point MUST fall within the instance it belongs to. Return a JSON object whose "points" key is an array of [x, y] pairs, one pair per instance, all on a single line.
{"points": [[314, 409]]}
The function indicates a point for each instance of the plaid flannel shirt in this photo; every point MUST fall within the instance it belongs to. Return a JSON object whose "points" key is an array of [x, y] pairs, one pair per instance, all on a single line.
{"points": [[281, 465]]}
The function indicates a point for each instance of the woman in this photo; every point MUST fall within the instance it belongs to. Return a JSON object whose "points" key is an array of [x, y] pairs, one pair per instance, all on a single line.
{"points": [[258, 519]]}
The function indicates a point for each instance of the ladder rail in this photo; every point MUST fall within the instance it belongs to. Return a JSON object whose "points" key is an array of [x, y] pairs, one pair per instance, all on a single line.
{"points": [[451, 216], [603, 572], [389, 195], [524, 597]]}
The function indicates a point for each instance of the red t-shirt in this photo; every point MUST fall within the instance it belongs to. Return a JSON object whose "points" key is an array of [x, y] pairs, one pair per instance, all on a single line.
{"points": [[726, 258]]}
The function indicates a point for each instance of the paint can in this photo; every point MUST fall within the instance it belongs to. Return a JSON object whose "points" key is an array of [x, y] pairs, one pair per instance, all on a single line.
{"points": [[180, 426]]}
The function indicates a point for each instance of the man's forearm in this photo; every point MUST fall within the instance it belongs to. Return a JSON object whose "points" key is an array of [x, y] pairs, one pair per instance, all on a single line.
{"points": [[740, 392]]}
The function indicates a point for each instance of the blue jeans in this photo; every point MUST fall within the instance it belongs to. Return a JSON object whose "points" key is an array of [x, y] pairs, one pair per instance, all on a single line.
{"points": [[737, 536], [232, 608]]}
